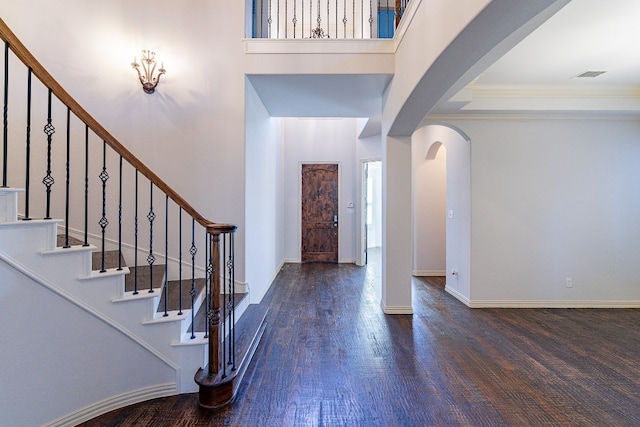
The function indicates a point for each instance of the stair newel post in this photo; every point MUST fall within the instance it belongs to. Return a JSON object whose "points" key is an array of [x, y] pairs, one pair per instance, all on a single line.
{"points": [[217, 386]]}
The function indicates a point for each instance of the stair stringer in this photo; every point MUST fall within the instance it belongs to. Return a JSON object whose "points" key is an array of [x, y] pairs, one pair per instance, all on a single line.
{"points": [[30, 247]]}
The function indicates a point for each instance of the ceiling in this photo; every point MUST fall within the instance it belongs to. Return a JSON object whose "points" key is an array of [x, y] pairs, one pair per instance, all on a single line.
{"points": [[540, 73]]}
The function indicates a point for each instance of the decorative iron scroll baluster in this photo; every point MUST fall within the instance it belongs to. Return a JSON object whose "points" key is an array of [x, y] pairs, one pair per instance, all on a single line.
{"points": [[269, 20], [86, 186], [151, 258], [135, 238], [166, 255], [193, 293], [232, 296], [353, 12], [104, 176], [208, 275], [295, 18], [370, 19], [223, 298], [120, 216], [68, 179], [48, 180], [27, 195], [5, 115], [180, 262], [344, 18]]}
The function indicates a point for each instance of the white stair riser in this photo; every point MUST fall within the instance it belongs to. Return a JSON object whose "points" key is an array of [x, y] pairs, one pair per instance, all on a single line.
{"points": [[9, 204]]}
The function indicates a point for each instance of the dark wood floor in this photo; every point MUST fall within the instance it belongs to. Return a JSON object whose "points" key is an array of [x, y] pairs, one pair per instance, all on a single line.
{"points": [[329, 357]]}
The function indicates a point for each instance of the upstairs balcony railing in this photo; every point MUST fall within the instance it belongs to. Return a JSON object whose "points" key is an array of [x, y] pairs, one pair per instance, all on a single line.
{"points": [[333, 19]]}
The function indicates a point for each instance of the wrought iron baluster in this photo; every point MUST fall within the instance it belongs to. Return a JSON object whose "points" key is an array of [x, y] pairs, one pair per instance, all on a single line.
{"points": [[180, 262], [166, 255], [295, 18], [310, 18], [193, 293], [336, 13], [344, 19], [207, 276], [353, 12], [5, 131], [28, 149], [68, 179], [120, 216], [151, 258], [135, 238], [103, 222], [232, 294], [86, 186], [222, 297], [232, 301], [48, 180], [270, 19], [370, 19]]}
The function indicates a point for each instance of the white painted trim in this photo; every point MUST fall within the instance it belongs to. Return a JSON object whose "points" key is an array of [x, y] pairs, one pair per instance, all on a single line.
{"points": [[457, 295], [132, 397], [315, 46], [554, 304], [429, 273], [532, 115], [395, 309]]}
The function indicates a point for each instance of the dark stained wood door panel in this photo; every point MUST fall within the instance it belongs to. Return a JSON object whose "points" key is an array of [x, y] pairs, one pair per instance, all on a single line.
{"points": [[319, 213]]}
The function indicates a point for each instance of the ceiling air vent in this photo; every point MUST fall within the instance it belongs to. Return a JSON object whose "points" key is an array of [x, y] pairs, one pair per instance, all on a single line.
{"points": [[591, 74]]}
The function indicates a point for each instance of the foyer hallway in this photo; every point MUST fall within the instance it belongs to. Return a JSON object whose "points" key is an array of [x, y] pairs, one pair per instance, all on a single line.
{"points": [[329, 357]]}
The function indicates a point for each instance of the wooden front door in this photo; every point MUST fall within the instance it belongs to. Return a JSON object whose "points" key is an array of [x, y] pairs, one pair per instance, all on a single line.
{"points": [[320, 213]]}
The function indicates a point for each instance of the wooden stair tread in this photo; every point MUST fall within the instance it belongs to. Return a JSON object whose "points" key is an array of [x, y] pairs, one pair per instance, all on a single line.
{"points": [[173, 302], [201, 315], [216, 392]]}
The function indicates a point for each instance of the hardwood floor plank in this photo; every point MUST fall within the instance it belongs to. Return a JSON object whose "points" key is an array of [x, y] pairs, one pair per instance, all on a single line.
{"points": [[330, 357]]}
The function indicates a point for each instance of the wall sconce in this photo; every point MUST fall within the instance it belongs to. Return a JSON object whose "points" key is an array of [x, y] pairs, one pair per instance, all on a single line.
{"points": [[148, 76]]}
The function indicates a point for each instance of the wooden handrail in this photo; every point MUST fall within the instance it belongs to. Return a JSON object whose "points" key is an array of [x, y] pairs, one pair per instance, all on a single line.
{"points": [[47, 79]]}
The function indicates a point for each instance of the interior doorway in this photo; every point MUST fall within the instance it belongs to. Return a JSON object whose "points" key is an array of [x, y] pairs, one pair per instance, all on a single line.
{"points": [[371, 218]]}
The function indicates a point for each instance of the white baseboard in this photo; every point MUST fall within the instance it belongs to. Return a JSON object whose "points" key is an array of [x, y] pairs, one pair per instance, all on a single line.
{"points": [[429, 273], [540, 304], [115, 402], [554, 304], [396, 309], [457, 295]]}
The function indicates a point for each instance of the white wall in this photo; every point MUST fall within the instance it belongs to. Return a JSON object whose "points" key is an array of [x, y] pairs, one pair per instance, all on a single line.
{"points": [[264, 196], [555, 199], [458, 200], [191, 131], [318, 141], [429, 204]]}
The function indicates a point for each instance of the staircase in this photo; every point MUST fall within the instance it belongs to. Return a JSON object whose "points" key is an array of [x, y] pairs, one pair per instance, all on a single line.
{"points": [[34, 250], [124, 318]]}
